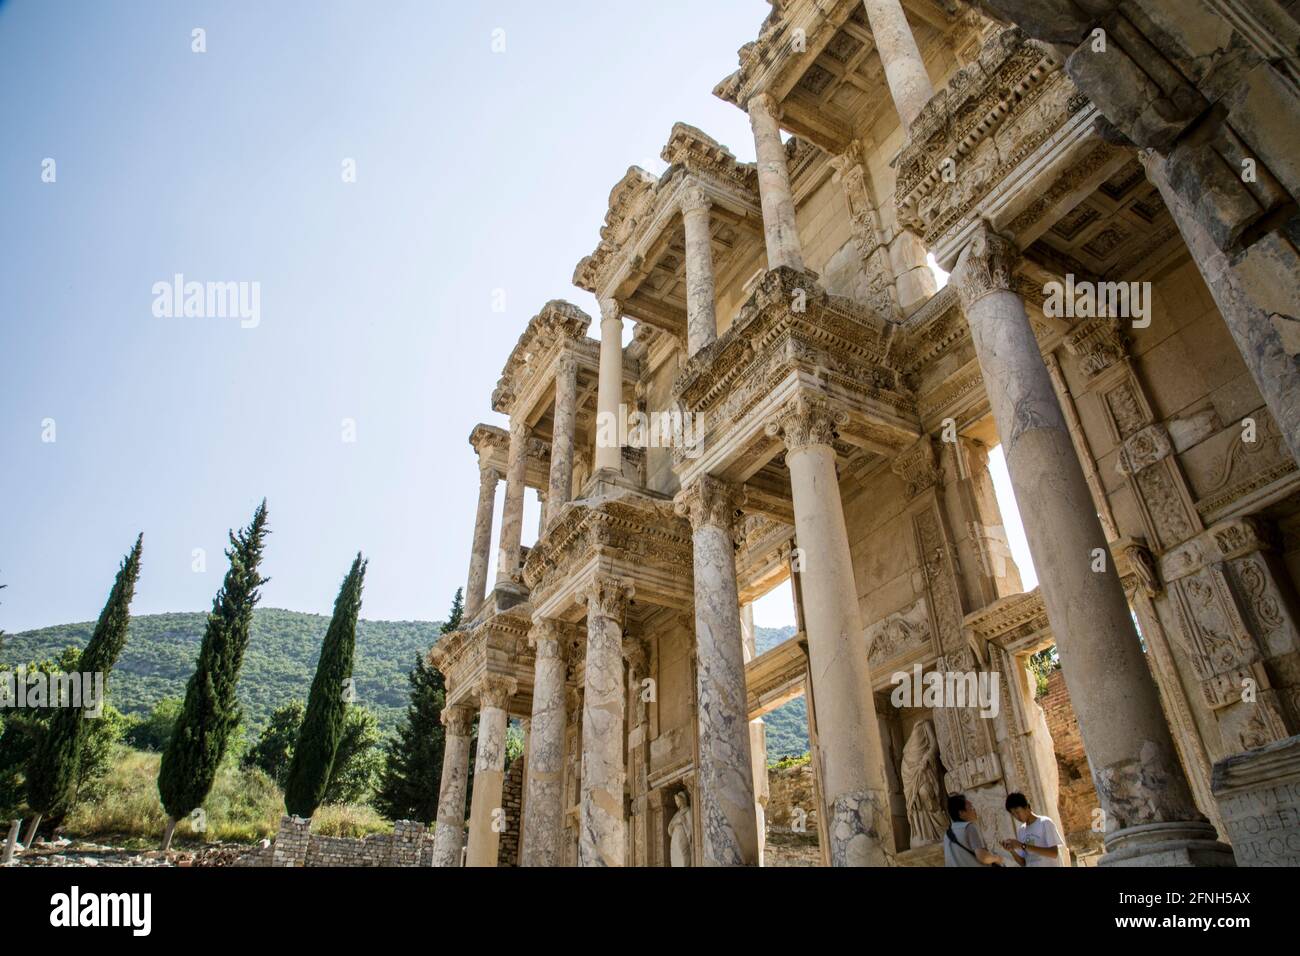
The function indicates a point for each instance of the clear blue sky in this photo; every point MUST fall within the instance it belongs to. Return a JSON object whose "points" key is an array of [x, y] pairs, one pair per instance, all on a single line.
{"points": [[476, 171]]}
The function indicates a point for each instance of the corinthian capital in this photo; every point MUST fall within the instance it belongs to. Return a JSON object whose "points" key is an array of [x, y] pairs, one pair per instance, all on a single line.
{"points": [[457, 720], [708, 501], [764, 103], [546, 637], [985, 265], [694, 199], [607, 596], [804, 422], [495, 691]]}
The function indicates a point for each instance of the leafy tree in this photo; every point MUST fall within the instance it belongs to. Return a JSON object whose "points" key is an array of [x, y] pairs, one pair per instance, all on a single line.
{"points": [[322, 725], [52, 772], [211, 710], [358, 760], [412, 774], [273, 751], [154, 731], [22, 738]]}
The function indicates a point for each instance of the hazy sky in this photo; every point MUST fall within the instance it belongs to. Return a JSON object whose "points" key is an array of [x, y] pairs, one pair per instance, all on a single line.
{"points": [[481, 175]]}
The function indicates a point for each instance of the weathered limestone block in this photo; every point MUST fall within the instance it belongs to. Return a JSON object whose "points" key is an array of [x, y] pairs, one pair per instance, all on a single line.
{"points": [[1258, 793]]}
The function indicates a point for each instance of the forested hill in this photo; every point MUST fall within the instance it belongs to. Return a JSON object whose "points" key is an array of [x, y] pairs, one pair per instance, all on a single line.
{"points": [[161, 651]]}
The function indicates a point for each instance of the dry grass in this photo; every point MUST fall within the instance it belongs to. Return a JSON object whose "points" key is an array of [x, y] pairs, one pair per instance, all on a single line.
{"points": [[244, 806]]}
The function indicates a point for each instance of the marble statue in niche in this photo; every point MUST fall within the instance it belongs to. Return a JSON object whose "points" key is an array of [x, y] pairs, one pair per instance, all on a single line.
{"points": [[680, 832], [919, 771]]}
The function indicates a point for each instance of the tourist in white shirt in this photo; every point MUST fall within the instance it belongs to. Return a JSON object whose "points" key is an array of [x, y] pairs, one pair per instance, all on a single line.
{"points": [[1036, 840]]}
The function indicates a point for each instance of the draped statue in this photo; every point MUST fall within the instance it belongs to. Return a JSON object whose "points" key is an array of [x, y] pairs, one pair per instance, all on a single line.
{"points": [[924, 798]]}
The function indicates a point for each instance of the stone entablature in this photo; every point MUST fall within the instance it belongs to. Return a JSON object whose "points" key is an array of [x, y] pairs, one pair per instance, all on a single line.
{"points": [[792, 337], [1009, 140], [528, 377], [494, 649], [634, 537], [492, 444]]}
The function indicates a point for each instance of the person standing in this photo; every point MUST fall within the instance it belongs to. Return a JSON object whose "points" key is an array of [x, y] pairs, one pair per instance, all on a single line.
{"points": [[1037, 840]]}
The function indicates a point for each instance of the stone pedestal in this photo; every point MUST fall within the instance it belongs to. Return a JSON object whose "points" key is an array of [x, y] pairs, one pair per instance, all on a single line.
{"points": [[449, 835], [544, 805], [860, 830], [777, 200], [1258, 793], [726, 786], [602, 833], [1150, 814], [486, 815]]}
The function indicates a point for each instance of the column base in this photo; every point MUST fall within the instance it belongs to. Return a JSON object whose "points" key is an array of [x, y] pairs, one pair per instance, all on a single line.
{"points": [[1188, 843]]}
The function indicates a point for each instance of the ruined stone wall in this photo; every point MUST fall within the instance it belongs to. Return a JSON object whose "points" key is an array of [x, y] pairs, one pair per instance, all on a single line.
{"points": [[410, 844], [512, 801], [792, 788], [1078, 798]]}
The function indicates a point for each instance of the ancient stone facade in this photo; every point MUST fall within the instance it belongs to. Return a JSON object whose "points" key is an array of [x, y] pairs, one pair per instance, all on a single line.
{"points": [[1109, 187]]}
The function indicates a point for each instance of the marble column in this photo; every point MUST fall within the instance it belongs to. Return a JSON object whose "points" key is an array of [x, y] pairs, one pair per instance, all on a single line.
{"points": [[544, 807], [543, 511], [489, 771], [602, 830], [512, 512], [726, 784], [701, 318], [560, 488], [480, 553], [775, 195], [1150, 816], [609, 387], [1256, 317], [449, 834], [757, 736], [860, 828], [909, 83]]}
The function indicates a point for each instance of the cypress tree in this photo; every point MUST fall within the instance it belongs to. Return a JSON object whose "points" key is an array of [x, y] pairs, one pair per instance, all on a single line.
{"points": [[54, 764], [412, 772], [211, 709], [322, 725]]}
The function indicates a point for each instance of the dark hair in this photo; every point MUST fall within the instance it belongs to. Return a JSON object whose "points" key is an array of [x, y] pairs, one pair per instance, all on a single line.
{"points": [[1016, 800], [956, 805]]}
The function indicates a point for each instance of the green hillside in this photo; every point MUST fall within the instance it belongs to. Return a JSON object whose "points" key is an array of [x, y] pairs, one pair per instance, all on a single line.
{"points": [[281, 659], [787, 726]]}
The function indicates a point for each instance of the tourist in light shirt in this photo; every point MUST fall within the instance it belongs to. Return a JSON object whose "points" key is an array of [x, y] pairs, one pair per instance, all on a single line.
{"points": [[1036, 840]]}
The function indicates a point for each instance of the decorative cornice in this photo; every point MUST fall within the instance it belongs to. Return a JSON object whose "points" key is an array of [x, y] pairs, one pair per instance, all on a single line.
{"points": [[558, 323]]}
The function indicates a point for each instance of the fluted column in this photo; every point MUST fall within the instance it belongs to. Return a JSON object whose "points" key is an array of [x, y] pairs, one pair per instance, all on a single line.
{"points": [[774, 191], [701, 317], [480, 552], [566, 403], [909, 83], [449, 834], [489, 771], [726, 783], [512, 512], [609, 386], [544, 806], [860, 830], [602, 836], [757, 736], [1150, 814]]}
